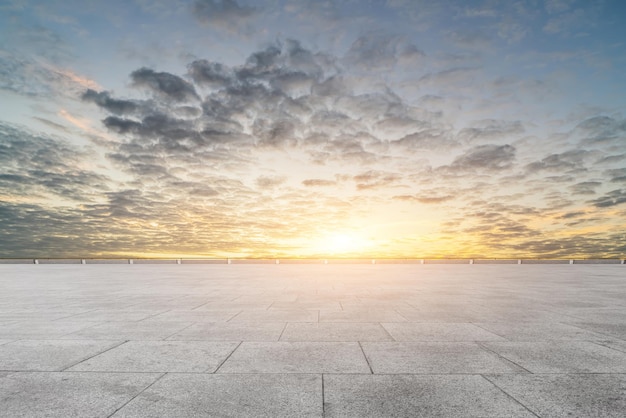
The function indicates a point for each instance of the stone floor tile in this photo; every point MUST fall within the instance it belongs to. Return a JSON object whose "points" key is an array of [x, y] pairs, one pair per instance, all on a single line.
{"points": [[68, 394], [335, 331], [567, 395], [539, 331], [202, 395], [375, 396], [160, 356], [561, 356], [49, 355], [296, 357], [118, 330], [435, 358], [231, 331], [277, 315], [42, 329], [439, 332], [361, 315]]}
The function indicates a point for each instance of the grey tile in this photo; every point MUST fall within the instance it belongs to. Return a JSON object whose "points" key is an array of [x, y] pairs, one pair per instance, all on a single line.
{"points": [[416, 396], [539, 331], [217, 315], [118, 330], [435, 357], [160, 356], [41, 329], [439, 332], [296, 357], [361, 315], [562, 357], [334, 331], [201, 395], [277, 315], [567, 395], [606, 328], [115, 315], [619, 345], [34, 395], [48, 355], [231, 331]]}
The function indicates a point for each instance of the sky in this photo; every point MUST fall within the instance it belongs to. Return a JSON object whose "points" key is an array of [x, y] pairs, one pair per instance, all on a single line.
{"points": [[338, 128]]}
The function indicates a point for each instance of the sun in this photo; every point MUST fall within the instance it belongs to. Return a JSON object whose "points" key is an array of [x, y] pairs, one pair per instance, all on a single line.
{"points": [[341, 243]]}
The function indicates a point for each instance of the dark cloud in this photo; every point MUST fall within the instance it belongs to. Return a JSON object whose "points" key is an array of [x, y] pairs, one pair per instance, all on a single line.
{"points": [[602, 129], [212, 74], [105, 101], [484, 157], [491, 131], [612, 198], [223, 14], [585, 187], [569, 161], [381, 51], [318, 183], [617, 175], [164, 84], [269, 182], [40, 165], [424, 199], [376, 179]]}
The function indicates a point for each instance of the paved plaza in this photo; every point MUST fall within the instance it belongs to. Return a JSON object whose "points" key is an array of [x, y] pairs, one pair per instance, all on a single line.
{"points": [[313, 340]]}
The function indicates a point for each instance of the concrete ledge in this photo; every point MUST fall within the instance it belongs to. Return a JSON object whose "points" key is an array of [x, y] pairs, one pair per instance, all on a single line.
{"points": [[545, 261], [251, 261], [59, 261], [599, 261], [399, 261], [496, 261], [301, 261], [447, 261], [153, 261], [205, 261], [106, 261], [17, 261]]}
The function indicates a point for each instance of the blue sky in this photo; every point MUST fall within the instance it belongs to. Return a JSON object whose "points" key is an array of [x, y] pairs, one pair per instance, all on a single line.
{"points": [[313, 128]]}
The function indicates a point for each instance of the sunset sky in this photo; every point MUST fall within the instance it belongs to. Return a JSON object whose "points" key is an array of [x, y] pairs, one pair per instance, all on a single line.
{"points": [[234, 128]]}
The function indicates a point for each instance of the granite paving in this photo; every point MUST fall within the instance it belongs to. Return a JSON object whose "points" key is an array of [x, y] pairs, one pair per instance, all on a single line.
{"points": [[313, 340]]}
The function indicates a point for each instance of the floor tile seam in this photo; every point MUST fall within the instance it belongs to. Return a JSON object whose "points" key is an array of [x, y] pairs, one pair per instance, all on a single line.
{"points": [[511, 397], [599, 343], [503, 357], [366, 359], [152, 316], [140, 392], [96, 323], [76, 314], [92, 356], [596, 332], [323, 398], [234, 316], [486, 329], [282, 332], [382, 325], [227, 357], [176, 332]]}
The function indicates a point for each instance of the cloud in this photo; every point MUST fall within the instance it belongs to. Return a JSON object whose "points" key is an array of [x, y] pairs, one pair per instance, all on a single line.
{"points": [[318, 183], [377, 51], [376, 179], [424, 199], [484, 157], [226, 15], [585, 187], [41, 166], [105, 101], [164, 84], [612, 198]]}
